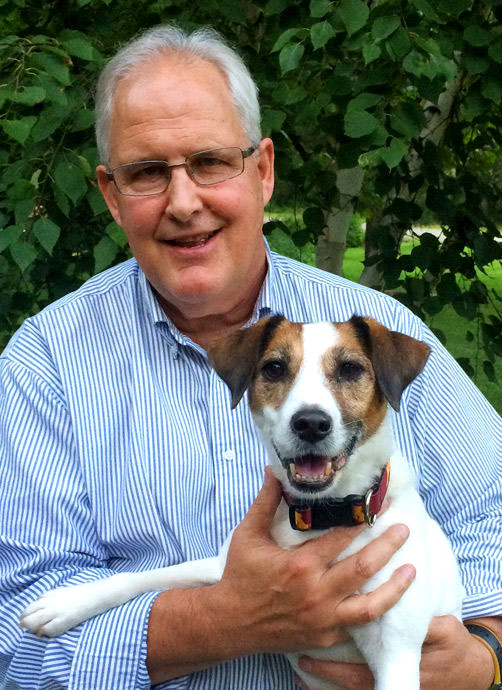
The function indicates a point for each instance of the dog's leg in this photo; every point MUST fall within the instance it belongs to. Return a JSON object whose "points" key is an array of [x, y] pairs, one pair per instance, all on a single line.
{"points": [[63, 608], [393, 655]]}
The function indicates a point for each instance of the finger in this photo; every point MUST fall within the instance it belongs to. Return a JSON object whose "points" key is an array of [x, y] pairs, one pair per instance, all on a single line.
{"points": [[299, 682], [347, 675], [261, 513], [328, 546], [352, 572], [359, 609], [441, 628]]}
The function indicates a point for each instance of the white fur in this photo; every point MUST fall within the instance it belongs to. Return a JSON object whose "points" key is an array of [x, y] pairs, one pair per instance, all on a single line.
{"points": [[391, 645]]}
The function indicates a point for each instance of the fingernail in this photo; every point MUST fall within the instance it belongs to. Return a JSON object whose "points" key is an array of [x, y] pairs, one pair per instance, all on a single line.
{"points": [[402, 531], [409, 572]]}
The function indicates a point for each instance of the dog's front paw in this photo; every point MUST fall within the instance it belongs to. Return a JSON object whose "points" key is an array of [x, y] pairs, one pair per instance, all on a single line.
{"points": [[61, 609]]}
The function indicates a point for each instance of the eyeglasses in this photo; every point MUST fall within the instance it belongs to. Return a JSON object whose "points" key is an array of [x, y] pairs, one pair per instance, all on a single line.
{"points": [[145, 178]]}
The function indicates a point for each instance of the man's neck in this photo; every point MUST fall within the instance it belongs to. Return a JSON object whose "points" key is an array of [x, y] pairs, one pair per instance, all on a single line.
{"points": [[203, 325]]}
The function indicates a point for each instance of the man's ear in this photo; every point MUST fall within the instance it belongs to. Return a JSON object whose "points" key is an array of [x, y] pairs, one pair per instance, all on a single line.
{"points": [[235, 357], [109, 192], [397, 358], [266, 168]]}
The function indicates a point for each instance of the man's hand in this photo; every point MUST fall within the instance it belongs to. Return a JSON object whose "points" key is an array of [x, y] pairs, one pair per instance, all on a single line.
{"points": [[280, 600], [270, 599], [451, 657]]}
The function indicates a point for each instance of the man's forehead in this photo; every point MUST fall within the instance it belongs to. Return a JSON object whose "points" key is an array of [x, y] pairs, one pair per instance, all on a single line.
{"points": [[168, 95]]}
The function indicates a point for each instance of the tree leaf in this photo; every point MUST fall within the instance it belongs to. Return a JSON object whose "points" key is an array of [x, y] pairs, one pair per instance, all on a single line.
{"points": [[491, 89], [117, 234], [392, 155], [290, 57], [19, 129], [363, 101], [359, 123], [70, 179], [23, 254], [81, 48], [371, 52], [354, 14], [284, 38], [29, 95], [50, 119], [384, 26], [318, 8], [408, 119], [84, 119], [47, 233], [489, 370], [495, 50], [475, 35], [275, 7], [54, 66], [9, 235], [104, 253], [320, 34], [272, 120]]}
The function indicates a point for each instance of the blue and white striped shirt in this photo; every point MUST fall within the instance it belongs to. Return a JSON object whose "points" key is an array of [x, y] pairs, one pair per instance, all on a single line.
{"points": [[119, 451]]}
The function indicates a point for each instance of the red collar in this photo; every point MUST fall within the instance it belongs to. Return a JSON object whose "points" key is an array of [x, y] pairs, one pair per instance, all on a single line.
{"points": [[351, 510]]}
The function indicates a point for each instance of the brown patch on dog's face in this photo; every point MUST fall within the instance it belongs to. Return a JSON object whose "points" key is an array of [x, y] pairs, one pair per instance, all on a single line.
{"points": [[278, 367], [351, 378]]}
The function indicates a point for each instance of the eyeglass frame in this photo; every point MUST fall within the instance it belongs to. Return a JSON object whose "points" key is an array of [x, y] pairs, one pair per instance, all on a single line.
{"points": [[244, 152]]}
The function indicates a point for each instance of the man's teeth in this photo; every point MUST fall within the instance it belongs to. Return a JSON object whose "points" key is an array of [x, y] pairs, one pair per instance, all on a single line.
{"points": [[198, 241]]}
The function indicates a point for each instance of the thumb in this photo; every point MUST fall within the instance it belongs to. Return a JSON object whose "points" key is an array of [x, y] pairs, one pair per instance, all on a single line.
{"points": [[261, 513]]}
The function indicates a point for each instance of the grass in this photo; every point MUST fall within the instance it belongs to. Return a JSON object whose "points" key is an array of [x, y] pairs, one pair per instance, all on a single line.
{"points": [[448, 321]]}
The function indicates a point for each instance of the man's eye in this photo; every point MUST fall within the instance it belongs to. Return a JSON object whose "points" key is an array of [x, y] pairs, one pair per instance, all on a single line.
{"points": [[349, 371], [208, 162], [150, 171], [274, 370]]}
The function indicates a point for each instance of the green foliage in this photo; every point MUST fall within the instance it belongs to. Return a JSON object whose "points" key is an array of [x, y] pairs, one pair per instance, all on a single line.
{"points": [[342, 83], [355, 234]]}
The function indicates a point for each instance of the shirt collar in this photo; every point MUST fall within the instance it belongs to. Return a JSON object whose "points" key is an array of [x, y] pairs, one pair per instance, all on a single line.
{"points": [[157, 316]]}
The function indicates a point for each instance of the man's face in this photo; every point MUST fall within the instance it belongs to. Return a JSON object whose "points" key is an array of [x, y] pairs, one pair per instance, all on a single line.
{"points": [[200, 247]]}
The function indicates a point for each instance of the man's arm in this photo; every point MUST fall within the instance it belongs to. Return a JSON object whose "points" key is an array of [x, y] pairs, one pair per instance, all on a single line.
{"points": [[48, 539], [269, 597]]}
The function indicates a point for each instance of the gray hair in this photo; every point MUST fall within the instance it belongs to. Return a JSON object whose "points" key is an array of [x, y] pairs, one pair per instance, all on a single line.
{"points": [[205, 44]]}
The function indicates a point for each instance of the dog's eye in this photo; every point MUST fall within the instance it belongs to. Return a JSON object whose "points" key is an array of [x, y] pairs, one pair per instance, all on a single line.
{"points": [[273, 370], [349, 371]]}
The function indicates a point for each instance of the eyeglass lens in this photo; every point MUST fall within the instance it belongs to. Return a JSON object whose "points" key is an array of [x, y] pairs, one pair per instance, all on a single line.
{"points": [[205, 167]]}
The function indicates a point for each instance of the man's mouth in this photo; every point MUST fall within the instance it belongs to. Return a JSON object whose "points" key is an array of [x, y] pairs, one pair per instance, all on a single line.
{"points": [[313, 472], [193, 241]]}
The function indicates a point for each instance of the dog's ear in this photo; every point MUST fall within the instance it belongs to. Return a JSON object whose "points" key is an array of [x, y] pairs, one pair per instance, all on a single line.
{"points": [[234, 357], [397, 358]]}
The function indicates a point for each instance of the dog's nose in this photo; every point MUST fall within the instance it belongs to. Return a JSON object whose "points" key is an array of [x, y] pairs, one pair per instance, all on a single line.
{"points": [[311, 424]]}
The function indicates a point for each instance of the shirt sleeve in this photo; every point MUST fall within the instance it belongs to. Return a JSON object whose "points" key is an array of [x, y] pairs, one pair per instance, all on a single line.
{"points": [[48, 539], [459, 439]]}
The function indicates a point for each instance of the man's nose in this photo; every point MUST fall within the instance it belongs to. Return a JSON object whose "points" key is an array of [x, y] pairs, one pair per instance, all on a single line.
{"points": [[182, 196]]}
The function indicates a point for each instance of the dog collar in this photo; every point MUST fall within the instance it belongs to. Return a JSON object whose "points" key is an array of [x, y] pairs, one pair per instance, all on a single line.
{"points": [[348, 511]]}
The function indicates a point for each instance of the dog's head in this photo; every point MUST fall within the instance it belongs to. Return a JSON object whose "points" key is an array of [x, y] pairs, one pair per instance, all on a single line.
{"points": [[318, 392]]}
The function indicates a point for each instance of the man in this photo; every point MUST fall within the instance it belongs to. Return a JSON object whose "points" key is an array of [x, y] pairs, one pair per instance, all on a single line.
{"points": [[119, 450]]}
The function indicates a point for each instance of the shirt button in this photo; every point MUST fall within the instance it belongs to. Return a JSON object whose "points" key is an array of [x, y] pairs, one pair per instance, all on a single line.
{"points": [[229, 455]]}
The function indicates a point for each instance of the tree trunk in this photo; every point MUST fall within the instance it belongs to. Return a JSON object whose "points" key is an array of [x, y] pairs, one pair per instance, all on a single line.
{"points": [[332, 243]]}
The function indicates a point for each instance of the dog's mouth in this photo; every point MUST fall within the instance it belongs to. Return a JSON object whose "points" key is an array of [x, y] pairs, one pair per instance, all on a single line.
{"points": [[314, 472]]}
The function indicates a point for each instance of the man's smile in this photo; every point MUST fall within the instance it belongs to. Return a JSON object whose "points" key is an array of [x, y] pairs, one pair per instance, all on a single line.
{"points": [[196, 240]]}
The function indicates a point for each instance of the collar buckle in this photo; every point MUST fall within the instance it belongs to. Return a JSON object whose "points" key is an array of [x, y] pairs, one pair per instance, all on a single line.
{"points": [[369, 516]]}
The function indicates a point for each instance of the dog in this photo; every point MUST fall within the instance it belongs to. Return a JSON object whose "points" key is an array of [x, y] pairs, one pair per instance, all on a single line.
{"points": [[320, 395]]}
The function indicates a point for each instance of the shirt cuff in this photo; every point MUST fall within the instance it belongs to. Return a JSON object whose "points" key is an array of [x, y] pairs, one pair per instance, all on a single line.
{"points": [[112, 648], [481, 605]]}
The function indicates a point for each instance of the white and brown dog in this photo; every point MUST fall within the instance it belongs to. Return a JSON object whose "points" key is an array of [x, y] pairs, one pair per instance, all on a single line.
{"points": [[319, 394]]}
